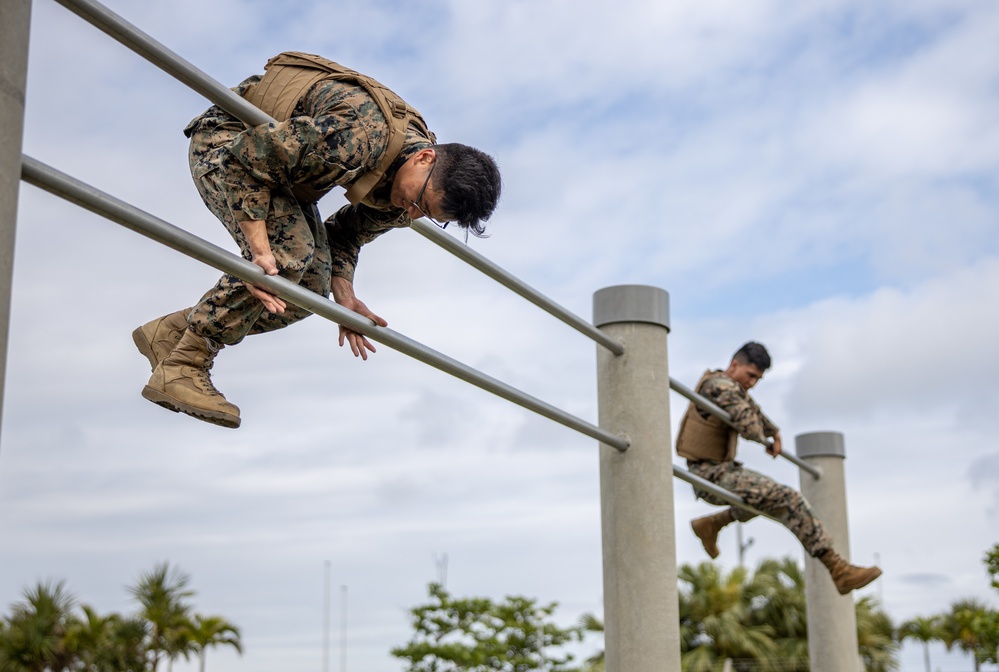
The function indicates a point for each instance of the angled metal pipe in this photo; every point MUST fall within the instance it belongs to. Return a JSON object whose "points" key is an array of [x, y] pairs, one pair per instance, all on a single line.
{"points": [[62, 185], [481, 263], [171, 63], [156, 53], [725, 417], [708, 486], [159, 55]]}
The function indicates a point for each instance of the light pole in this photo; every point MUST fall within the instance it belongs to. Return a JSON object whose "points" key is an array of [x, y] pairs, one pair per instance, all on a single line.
{"points": [[326, 616]]}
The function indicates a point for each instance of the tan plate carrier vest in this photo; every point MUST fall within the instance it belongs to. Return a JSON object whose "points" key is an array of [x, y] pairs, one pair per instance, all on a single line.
{"points": [[289, 76], [700, 439]]}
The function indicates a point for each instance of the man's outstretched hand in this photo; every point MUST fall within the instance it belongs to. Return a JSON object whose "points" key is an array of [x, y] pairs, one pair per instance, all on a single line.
{"points": [[255, 232], [774, 449], [343, 294]]}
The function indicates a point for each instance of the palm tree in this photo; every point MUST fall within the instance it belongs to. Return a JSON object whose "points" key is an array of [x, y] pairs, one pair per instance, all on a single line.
{"points": [[34, 636], [776, 596], [590, 623], [163, 594], [964, 626], [714, 620], [876, 636], [107, 643], [923, 629], [89, 636], [209, 631], [992, 565]]}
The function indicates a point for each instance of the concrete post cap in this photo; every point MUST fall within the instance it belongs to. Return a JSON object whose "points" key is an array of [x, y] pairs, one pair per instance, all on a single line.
{"points": [[631, 303], [820, 444]]}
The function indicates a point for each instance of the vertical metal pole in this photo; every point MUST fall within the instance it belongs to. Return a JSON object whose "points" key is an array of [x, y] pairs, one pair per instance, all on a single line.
{"points": [[641, 613], [15, 23], [343, 628], [326, 616], [832, 618]]}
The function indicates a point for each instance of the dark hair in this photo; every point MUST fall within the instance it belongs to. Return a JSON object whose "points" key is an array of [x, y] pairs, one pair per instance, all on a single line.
{"points": [[753, 353], [469, 183]]}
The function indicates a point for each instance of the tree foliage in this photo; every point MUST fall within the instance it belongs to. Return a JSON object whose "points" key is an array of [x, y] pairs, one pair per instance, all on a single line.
{"points": [[924, 629], [758, 621], [50, 632], [478, 634], [970, 625], [992, 565]]}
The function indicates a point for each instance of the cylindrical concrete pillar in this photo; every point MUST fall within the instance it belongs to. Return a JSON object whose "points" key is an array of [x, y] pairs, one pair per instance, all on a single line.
{"points": [[832, 618], [15, 21], [641, 613]]}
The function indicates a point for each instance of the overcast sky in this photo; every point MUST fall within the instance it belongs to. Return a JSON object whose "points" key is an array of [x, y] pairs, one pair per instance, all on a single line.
{"points": [[817, 176]]}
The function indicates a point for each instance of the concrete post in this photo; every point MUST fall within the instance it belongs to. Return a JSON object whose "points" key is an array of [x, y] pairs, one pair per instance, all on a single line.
{"points": [[832, 618], [15, 22], [641, 612]]}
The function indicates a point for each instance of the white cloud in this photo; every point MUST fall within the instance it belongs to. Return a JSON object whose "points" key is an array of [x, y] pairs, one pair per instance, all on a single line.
{"points": [[820, 178], [917, 350]]}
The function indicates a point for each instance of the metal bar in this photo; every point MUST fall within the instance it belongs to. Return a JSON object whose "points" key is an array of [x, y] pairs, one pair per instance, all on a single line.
{"points": [[171, 63], [477, 261], [708, 486], [71, 189], [725, 417], [801, 464], [156, 53]]}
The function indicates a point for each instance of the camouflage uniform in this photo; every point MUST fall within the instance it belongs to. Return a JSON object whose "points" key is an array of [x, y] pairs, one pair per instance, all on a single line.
{"points": [[336, 134], [759, 491]]}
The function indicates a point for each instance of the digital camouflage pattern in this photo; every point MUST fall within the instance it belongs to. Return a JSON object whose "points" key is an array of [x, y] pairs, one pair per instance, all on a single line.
{"points": [[336, 134], [761, 492], [747, 416]]}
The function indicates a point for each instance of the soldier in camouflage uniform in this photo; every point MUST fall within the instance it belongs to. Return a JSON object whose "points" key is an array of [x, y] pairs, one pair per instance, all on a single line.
{"points": [[263, 183], [710, 448]]}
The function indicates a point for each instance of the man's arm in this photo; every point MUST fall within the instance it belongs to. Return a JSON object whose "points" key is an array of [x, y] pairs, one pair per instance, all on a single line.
{"points": [[255, 232], [351, 227], [747, 417], [343, 294]]}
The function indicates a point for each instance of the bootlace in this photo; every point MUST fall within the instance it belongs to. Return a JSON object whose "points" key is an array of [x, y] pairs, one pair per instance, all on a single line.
{"points": [[213, 349]]}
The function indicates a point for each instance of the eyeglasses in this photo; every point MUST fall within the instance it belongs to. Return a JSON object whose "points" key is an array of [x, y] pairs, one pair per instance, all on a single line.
{"points": [[419, 198]]}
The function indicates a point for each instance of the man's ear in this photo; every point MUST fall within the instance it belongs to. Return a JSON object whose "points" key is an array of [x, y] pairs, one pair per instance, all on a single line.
{"points": [[425, 156]]}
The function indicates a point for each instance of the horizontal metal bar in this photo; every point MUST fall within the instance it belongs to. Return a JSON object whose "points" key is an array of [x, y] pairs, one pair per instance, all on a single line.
{"points": [[179, 68], [156, 53], [708, 486], [509, 281], [801, 464], [725, 417], [71, 189]]}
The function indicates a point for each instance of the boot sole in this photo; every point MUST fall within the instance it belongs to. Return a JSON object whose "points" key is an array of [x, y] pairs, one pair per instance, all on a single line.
{"points": [[859, 584], [144, 347], [166, 401]]}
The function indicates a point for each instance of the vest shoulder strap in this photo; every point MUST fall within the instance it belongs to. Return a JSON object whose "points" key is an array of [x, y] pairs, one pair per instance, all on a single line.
{"points": [[289, 76]]}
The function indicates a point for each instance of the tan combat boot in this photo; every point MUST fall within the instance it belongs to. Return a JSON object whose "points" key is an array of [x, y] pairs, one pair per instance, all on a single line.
{"points": [[181, 382], [158, 338], [847, 577], [707, 528]]}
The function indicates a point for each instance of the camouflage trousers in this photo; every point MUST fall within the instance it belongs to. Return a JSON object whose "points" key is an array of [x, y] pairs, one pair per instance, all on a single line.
{"points": [[227, 313], [765, 494]]}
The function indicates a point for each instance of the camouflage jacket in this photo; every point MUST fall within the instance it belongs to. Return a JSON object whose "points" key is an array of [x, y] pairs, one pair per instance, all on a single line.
{"points": [[750, 421], [336, 134]]}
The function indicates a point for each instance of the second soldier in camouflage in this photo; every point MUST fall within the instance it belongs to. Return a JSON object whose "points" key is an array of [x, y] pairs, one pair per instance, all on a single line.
{"points": [[710, 446]]}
